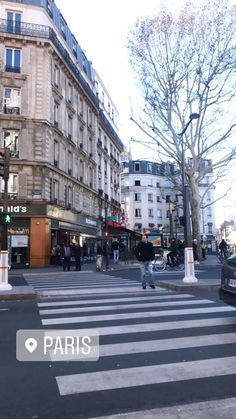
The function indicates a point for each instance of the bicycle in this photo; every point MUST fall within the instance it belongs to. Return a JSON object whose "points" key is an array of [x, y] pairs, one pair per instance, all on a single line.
{"points": [[177, 263], [222, 255], [159, 263]]}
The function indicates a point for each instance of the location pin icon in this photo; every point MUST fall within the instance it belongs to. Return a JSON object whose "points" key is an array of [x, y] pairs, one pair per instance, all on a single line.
{"points": [[31, 344]]}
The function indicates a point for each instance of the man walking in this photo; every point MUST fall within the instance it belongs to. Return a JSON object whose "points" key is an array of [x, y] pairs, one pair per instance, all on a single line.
{"points": [[66, 253], [116, 251], [144, 252], [77, 256]]}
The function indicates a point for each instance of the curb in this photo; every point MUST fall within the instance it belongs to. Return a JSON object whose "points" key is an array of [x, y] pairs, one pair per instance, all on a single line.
{"points": [[187, 287], [25, 292]]}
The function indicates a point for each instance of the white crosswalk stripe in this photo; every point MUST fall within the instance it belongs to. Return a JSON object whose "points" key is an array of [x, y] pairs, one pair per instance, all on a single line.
{"points": [[99, 283], [142, 337]]}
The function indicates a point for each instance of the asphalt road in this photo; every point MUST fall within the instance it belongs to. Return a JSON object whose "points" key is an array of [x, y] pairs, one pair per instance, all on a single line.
{"points": [[164, 354]]}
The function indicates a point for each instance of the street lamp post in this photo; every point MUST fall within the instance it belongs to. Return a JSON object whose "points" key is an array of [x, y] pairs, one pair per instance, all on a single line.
{"points": [[186, 213], [189, 263]]}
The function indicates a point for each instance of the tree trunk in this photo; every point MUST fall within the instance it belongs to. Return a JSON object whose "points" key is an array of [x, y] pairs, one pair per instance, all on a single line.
{"points": [[195, 208]]}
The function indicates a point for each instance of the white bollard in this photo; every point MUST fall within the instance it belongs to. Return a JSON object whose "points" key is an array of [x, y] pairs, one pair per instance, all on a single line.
{"points": [[189, 266], [4, 286]]}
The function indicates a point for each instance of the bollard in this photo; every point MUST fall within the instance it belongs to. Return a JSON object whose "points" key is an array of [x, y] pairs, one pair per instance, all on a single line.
{"points": [[4, 286], [189, 266]]}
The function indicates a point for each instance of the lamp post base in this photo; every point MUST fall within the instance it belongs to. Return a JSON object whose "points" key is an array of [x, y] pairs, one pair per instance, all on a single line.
{"points": [[189, 266]]}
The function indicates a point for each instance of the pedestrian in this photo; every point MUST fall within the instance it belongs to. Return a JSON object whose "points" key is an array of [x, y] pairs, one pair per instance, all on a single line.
{"points": [[203, 246], [58, 255], [123, 252], [195, 252], [173, 248], [116, 251], [99, 258], [144, 252], [66, 254], [76, 251]]}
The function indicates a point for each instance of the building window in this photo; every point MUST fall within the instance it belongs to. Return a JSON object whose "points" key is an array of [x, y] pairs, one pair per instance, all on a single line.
{"points": [[159, 214], [158, 185], [56, 153], [13, 60], [11, 141], [209, 228], [56, 75], [75, 45], [158, 198], [150, 197], [137, 183], [70, 127], [56, 113], [69, 163], [11, 100], [137, 197], [209, 212], [13, 183], [150, 212], [14, 22], [81, 106], [137, 166], [137, 212], [208, 196], [149, 167], [63, 27], [70, 93]]}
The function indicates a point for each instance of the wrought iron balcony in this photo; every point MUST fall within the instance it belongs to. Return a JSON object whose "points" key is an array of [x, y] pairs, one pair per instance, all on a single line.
{"points": [[13, 110], [24, 28], [12, 69]]}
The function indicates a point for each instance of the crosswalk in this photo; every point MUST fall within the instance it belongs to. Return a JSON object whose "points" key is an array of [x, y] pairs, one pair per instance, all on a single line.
{"points": [[86, 281], [158, 348]]}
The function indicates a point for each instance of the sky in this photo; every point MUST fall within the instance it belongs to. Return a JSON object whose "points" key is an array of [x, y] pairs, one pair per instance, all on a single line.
{"points": [[101, 28]]}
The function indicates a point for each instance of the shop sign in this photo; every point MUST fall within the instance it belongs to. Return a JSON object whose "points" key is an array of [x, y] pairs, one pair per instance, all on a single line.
{"points": [[90, 222], [15, 209]]}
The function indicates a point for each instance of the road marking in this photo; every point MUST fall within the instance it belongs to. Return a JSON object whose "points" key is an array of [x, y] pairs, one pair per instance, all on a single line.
{"points": [[147, 375], [169, 294], [95, 290], [148, 314], [223, 408], [115, 284], [123, 306], [146, 346], [155, 327]]}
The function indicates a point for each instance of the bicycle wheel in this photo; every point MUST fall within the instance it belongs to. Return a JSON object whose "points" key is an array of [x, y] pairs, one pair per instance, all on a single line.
{"points": [[159, 265], [179, 266], [220, 258]]}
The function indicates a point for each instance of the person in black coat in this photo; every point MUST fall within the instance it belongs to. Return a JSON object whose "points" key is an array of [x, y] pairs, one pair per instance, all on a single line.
{"points": [[144, 252], [77, 256]]}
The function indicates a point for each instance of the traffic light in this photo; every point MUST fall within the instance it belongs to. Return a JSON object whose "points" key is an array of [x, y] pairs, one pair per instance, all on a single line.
{"points": [[6, 218], [106, 234], [4, 162]]}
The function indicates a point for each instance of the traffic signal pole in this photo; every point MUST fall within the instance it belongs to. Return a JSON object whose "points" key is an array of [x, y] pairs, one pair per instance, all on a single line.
{"points": [[4, 285]]}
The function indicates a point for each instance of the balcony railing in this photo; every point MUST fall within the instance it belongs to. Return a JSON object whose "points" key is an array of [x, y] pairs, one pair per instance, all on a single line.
{"points": [[13, 110], [23, 28], [12, 69]]}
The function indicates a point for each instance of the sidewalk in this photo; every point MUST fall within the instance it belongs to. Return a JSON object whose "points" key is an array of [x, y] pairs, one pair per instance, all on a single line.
{"points": [[25, 292]]}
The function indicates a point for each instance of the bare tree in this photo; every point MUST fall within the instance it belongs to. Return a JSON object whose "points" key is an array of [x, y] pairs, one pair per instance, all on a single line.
{"points": [[186, 64]]}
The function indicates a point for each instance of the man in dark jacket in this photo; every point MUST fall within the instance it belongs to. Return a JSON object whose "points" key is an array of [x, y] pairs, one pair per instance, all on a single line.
{"points": [[173, 251], [144, 252], [77, 255]]}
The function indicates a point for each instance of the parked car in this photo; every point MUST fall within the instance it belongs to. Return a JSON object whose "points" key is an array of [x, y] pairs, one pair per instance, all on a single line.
{"points": [[228, 274]]}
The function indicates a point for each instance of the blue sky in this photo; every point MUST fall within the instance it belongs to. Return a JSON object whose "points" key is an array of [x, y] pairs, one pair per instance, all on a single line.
{"points": [[101, 28]]}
